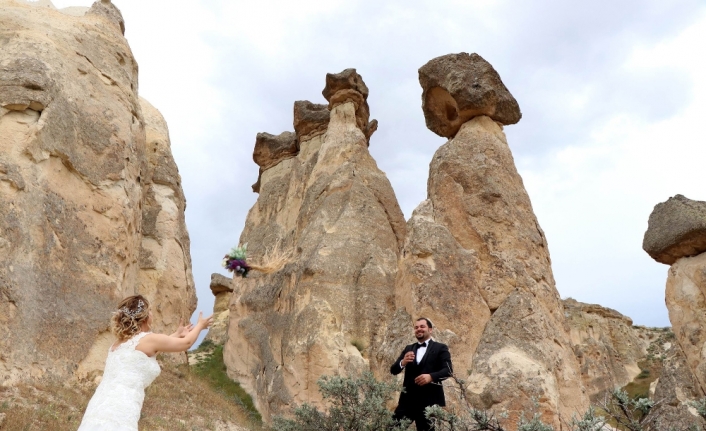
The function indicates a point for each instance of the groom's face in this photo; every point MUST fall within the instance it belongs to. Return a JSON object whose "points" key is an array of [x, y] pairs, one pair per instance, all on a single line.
{"points": [[421, 330]]}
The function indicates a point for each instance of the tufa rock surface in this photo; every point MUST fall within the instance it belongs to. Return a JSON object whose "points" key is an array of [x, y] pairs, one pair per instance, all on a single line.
{"points": [[676, 228], [335, 213], [607, 346], [458, 87], [676, 389], [165, 274], [686, 301], [91, 209], [222, 289]]}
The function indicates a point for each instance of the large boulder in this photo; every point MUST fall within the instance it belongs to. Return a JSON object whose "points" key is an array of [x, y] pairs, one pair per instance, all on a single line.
{"points": [[676, 228], [458, 87], [79, 193], [334, 213], [607, 346]]}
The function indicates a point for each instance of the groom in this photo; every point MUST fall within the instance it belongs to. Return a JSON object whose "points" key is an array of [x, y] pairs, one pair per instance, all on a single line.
{"points": [[425, 363]]}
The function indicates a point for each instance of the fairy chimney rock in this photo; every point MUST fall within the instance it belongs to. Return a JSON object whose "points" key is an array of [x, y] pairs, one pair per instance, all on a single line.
{"points": [[310, 119], [336, 213], [220, 284], [271, 149], [348, 86], [476, 262], [676, 228], [458, 87], [222, 289]]}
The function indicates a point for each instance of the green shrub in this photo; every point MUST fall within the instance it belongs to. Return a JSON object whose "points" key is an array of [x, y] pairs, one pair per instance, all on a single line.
{"points": [[355, 404]]}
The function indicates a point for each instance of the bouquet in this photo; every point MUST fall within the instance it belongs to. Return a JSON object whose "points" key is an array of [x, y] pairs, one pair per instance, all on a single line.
{"points": [[236, 261]]}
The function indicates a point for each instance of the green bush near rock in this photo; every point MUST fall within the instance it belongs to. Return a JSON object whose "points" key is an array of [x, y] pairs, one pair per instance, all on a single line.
{"points": [[212, 369], [359, 404]]}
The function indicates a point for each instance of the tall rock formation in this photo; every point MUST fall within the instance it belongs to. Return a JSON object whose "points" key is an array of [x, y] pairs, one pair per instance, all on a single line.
{"points": [[87, 216], [165, 260], [676, 236], [221, 287], [475, 260], [323, 200]]}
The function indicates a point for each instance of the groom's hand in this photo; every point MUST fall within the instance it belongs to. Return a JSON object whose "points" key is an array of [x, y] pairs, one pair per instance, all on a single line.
{"points": [[408, 357], [423, 379]]}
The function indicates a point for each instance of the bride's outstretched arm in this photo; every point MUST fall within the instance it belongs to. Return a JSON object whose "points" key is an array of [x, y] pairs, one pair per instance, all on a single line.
{"points": [[153, 343]]}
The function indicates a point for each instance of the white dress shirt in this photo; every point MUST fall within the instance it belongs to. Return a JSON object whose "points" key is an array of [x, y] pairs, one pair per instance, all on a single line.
{"points": [[420, 352]]}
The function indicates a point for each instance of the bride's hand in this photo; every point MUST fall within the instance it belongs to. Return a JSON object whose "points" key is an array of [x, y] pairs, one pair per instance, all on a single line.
{"points": [[205, 322], [182, 330]]}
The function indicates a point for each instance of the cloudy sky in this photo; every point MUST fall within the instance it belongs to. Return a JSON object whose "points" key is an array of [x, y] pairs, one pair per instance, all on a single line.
{"points": [[611, 94]]}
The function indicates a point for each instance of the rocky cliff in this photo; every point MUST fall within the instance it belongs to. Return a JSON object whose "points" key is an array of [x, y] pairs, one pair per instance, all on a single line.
{"points": [[609, 348], [324, 202], [91, 206]]}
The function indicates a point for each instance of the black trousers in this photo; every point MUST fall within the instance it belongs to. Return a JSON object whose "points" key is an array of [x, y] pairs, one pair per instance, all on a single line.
{"points": [[417, 417]]}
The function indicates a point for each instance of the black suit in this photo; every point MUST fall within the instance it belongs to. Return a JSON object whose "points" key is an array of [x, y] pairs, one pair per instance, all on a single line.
{"points": [[414, 399]]}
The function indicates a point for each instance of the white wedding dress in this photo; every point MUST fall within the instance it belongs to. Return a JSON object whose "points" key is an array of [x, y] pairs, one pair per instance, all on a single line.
{"points": [[117, 403]]}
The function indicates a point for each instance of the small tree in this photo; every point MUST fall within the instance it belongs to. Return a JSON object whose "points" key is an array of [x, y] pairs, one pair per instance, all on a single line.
{"points": [[354, 405]]}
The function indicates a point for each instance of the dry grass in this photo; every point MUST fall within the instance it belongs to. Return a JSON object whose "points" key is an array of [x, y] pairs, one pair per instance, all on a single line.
{"points": [[177, 400], [275, 258], [49, 406]]}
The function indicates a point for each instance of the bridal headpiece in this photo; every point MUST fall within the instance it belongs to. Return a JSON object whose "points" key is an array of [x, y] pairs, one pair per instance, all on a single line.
{"points": [[137, 311]]}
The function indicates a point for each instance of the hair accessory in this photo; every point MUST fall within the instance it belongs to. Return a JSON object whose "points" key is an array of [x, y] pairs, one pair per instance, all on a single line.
{"points": [[133, 313]]}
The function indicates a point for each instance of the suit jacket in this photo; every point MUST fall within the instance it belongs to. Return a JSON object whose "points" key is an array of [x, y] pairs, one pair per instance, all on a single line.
{"points": [[437, 363]]}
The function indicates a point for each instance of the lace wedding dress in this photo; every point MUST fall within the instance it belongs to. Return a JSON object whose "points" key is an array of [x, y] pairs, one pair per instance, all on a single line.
{"points": [[117, 403]]}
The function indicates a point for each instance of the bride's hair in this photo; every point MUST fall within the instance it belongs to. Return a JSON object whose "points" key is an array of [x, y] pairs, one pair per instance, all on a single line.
{"points": [[127, 321]]}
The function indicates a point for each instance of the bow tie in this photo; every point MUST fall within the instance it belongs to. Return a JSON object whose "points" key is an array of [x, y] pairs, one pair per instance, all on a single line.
{"points": [[424, 344]]}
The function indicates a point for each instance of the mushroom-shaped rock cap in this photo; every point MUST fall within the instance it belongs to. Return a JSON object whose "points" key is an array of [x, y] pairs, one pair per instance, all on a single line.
{"points": [[676, 228], [271, 149], [310, 119], [349, 79], [220, 283], [458, 87]]}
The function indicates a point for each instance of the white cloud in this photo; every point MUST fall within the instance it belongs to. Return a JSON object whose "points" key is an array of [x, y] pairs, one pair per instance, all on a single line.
{"points": [[593, 199]]}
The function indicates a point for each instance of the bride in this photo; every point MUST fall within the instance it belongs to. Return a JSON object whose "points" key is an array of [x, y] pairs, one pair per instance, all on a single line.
{"points": [[132, 365]]}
